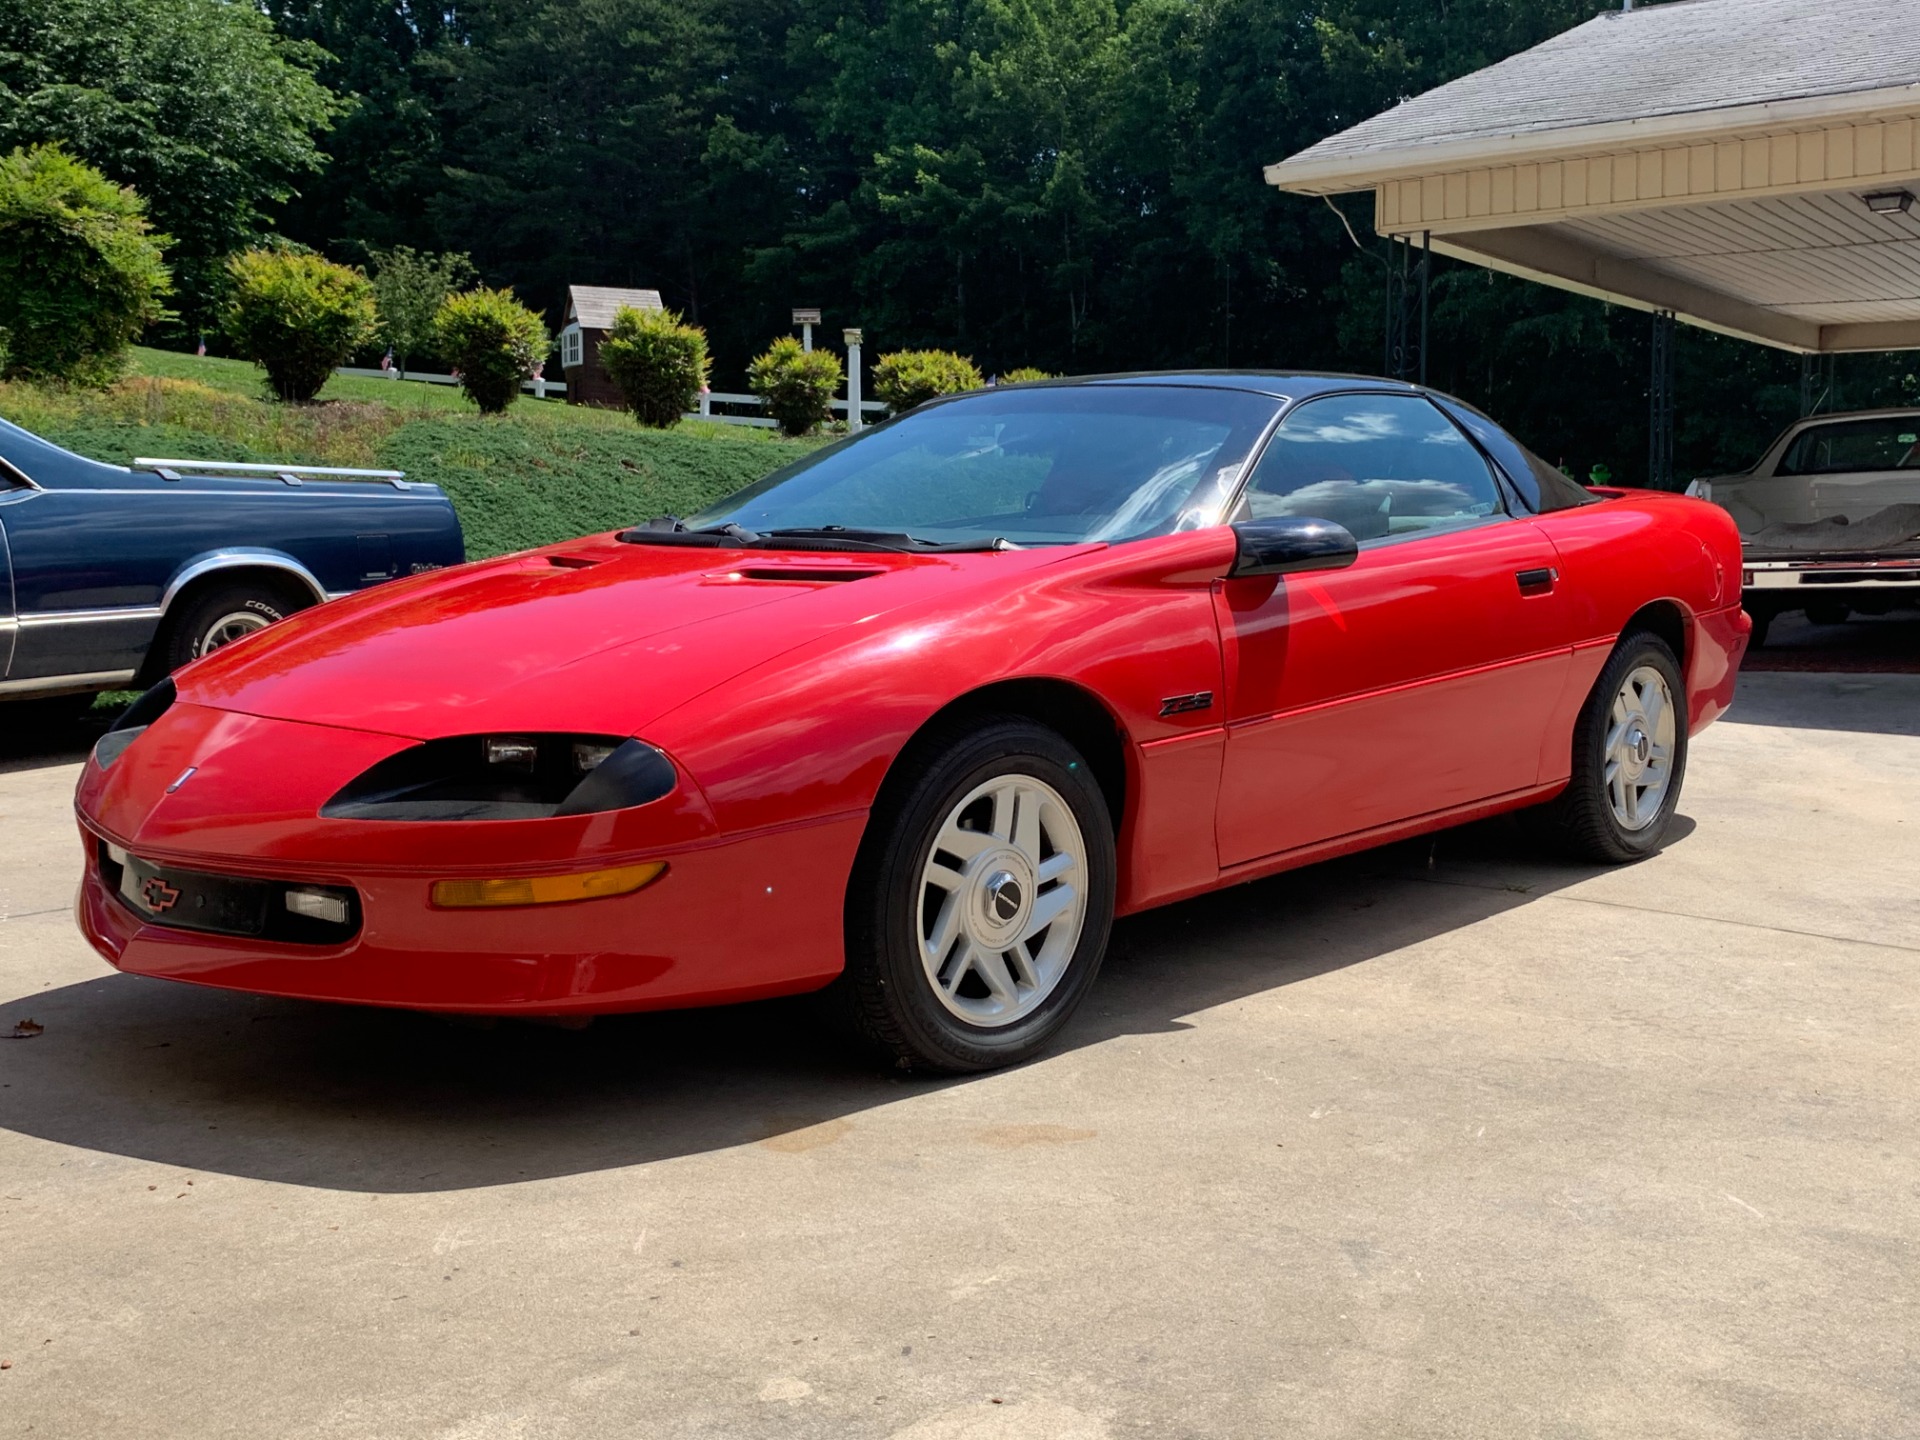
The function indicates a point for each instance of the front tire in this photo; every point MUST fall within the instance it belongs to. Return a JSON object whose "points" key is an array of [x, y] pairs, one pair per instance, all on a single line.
{"points": [[221, 615], [981, 900], [1629, 758]]}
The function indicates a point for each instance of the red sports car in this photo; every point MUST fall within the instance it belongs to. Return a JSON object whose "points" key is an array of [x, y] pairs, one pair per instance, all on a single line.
{"points": [[917, 716]]}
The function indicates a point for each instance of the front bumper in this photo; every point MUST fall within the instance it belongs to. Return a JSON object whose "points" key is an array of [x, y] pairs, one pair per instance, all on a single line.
{"points": [[739, 919], [221, 794]]}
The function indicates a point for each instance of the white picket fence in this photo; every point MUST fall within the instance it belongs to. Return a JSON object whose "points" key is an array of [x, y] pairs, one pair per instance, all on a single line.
{"points": [[540, 389], [753, 402], [544, 389]]}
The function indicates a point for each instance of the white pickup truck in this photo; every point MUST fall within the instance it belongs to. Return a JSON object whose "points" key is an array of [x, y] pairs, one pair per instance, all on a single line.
{"points": [[1829, 518]]}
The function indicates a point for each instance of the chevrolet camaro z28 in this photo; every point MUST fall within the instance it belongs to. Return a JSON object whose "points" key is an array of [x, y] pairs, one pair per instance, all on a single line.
{"points": [[914, 718]]}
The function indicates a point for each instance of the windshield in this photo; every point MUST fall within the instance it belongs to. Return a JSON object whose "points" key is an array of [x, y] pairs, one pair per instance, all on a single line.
{"points": [[1053, 465]]}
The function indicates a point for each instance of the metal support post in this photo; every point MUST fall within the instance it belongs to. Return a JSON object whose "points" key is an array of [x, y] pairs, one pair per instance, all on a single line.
{"points": [[1818, 376], [1660, 405], [1408, 285]]}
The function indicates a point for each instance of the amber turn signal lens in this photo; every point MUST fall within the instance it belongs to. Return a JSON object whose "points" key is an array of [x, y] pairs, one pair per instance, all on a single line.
{"points": [[544, 889]]}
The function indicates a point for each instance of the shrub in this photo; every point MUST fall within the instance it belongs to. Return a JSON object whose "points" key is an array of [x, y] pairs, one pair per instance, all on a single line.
{"points": [[658, 363], [297, 315], [80, 270], [908, 378], [493, 341], [1025, 374], [797, 385]]}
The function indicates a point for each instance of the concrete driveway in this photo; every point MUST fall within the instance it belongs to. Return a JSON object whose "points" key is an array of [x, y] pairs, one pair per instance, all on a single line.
{"points": [[1442, 1141]]}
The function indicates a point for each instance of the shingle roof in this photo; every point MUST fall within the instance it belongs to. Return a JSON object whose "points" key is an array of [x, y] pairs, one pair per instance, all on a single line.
{"points": [[594, 305], [1677, 58]]}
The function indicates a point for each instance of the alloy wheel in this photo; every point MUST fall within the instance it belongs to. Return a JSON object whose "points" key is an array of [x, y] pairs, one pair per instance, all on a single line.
{"points": [[1639, 748], [1002, 900]]}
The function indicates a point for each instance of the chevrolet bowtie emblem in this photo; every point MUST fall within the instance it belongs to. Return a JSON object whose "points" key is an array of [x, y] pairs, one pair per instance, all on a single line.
{"points": [[185, 775], [159, 895]]}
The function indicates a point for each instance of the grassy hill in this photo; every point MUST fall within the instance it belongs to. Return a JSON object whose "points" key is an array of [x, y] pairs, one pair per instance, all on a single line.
{"points": [[544, 471]]}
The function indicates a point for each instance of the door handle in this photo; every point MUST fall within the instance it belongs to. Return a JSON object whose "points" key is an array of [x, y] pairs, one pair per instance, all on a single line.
{"points": [[1537, 582]]}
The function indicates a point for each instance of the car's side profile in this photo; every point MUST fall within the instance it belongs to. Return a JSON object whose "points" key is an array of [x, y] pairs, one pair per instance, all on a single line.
{"points": [[916, 718], [113, 575]]}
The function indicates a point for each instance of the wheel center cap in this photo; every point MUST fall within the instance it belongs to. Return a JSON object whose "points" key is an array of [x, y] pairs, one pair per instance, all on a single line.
{"points": [[1640, 745], [1004, 896]]}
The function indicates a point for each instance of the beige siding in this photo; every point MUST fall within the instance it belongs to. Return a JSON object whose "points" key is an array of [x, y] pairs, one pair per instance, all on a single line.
{"points": [[1527, 194]]}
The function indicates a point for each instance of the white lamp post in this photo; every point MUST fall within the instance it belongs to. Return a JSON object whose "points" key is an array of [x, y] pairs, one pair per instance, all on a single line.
{"points": [[851, 338]]}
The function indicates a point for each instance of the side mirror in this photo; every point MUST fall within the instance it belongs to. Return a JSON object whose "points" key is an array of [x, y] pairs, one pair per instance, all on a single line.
{"points": [[1287, 546]]}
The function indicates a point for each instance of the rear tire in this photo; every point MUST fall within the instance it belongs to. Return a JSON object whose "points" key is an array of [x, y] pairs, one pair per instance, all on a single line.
{"points": [[981, 900], [225, 613], [1629, 759]]}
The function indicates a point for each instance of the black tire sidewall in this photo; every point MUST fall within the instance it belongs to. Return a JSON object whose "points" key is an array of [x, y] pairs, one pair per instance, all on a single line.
{"points": [[185, 635], [883, 945]]}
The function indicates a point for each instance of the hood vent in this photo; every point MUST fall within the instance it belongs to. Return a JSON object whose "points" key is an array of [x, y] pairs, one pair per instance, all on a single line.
{"points": [[805, 575]]}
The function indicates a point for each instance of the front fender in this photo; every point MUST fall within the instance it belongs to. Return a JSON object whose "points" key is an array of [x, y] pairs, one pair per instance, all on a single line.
{"points": [[238, 557]]}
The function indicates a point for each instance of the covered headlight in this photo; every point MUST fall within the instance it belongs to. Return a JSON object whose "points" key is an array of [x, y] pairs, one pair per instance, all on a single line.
{"points": [[507, 777], [132, 723]]}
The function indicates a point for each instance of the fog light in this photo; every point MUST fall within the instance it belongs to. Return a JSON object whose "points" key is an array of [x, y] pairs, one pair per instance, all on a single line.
{"points": [[587, 756], [507, 750], [544, 889], [323, 905]]}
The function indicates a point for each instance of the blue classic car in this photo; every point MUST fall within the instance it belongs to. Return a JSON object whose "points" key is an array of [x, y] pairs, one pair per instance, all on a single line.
{"points": [[113, 576]]}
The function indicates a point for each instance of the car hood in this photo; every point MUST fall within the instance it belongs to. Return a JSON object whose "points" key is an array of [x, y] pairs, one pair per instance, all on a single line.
{"points": [[596, 637]]}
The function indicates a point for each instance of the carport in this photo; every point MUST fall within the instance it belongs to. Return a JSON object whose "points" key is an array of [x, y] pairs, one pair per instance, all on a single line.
{"points": [[1747, 166]]}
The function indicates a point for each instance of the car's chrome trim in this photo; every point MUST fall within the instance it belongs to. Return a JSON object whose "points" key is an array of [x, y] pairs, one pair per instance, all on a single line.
{"points": [[35, 619], [13, 472], [67, 684], [1798, 574], [240, 557]]}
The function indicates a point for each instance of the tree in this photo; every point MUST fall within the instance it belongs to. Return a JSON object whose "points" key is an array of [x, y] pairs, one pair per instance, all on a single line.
{"points": [[297, 315], [493, 341], [659, 363], [410, 288], [80, 268], [197, 104]]}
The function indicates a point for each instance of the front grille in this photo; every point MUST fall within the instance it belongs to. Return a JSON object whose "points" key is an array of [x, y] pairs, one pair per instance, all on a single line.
{"points": [[224, 904]]}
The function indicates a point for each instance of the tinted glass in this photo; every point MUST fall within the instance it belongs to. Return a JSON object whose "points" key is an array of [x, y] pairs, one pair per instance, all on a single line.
{"points": [[1855, 446], [1542, 486], [1381, 465], [1038, 467]]}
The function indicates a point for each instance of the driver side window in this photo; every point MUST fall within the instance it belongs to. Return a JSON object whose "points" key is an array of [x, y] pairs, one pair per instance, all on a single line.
{"points": [[1384, 466]]}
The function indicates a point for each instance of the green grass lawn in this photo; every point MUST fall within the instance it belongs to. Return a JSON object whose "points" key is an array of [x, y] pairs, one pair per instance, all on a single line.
{"points": [[542, 472]]}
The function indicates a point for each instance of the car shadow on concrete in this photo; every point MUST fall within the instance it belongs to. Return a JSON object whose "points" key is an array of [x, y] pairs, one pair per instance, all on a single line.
{"points": [[35, 734], [390, 1102]]}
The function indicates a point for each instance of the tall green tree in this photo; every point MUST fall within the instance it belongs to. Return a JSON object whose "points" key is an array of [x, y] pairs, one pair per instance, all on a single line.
{"points": [[197, 104], [381, 58], [410, 287]]}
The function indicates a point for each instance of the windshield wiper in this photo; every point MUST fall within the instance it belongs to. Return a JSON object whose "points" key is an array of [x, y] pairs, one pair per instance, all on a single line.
{"points": [[671, 530], [884, 540]]}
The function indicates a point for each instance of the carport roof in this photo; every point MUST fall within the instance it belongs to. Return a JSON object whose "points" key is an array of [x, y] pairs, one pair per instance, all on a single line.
{"points": [[1710, 157]]}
